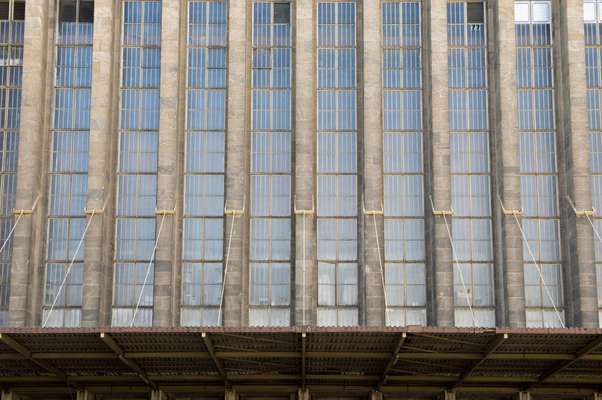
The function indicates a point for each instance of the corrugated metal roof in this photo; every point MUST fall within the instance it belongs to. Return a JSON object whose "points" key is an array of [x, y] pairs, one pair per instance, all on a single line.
{"points": [[398, 361]]}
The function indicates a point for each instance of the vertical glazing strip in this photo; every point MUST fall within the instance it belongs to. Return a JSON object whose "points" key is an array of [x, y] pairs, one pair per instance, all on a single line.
{"points": [[135, 232], [11, 54], [68, 180], [403, 180], [470, 164], [540, 223], [337, 160], [25, 304], [271, 165], [205, 142]]}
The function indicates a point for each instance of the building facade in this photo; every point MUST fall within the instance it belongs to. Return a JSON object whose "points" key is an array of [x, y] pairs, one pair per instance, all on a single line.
{"points": [[209, 163]]}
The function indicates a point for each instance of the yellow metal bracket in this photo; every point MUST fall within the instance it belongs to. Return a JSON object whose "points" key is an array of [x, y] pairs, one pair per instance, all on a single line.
{"points": [[165, 213], [581, 213], [298, 211], [27, 212], [373, 212], [235, 212], [507, 211], [440, 213]]}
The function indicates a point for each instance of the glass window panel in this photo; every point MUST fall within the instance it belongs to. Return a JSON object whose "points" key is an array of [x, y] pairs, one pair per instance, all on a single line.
{"points": [[537, 147], [137, 169], [68, 164], [403, 163]]}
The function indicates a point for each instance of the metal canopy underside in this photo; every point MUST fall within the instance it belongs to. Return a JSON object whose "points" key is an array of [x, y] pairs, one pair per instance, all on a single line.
{"points": [[399, 362]]}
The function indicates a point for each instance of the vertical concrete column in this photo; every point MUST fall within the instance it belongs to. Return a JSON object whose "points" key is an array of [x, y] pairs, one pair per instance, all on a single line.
{"points": [[236, 154], [305, 132], [578, 169], [448, 395], [523, 396], [373, 161], [507, 134], [303, 394], [376, 395], [440, 164], [26, 273], [97, 244], [8, 396], [495, 134], [169, 162], [158, 394], [84, 395]]}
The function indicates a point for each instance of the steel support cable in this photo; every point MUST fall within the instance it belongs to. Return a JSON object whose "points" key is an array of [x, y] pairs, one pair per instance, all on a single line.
{"points": [[79, 245], [382, 269], [221, 299], [12, 229], [597, 234], [543, 281], [148, 269], [461, 274]]}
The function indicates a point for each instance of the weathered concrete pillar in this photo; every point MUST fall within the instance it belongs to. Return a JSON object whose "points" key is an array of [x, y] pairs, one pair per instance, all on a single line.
{"points": [[98, 261], [84, 395], [448, 395], [158, 395], [8, 395], [440, 163], [168, 192], [236, 170], [507, 134], [578, 168], [523, 396], [27, 271], [376, 395], [501, 315], [373, 165], [305, 125], [303, 394]]}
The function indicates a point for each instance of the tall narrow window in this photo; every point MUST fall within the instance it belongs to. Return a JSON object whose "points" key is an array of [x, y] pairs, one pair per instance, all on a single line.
{"points": [[271, 145], [592, 13], [203, 244], [68, 171], [337, 215], [137, 165], [538, 169], [469, 165], [403, 163], [12, 15]]}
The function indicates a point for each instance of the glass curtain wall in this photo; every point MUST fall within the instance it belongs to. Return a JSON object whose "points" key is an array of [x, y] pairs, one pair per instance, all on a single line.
{"points": [[592, 14], [271, 166], [337, 181], [538, 164], [203, 242], [12, 16], [137, 165], [68, 172], [403, 183], [469, 164]]}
